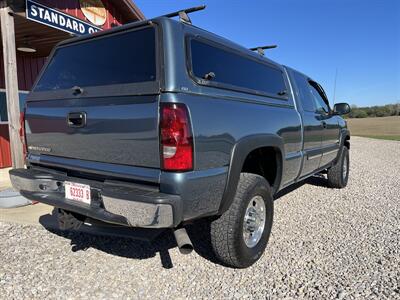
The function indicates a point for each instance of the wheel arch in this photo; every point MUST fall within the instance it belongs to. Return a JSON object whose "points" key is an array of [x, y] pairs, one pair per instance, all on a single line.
{"points": [[344, 141], [240, 152]]}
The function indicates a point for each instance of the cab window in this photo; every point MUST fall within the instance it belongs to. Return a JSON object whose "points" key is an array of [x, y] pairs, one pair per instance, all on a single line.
{"points": [[321, 103], [303, 87]]}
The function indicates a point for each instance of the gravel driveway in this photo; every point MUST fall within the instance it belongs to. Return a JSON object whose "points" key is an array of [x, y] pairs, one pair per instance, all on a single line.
{"points": [[325, 244]]}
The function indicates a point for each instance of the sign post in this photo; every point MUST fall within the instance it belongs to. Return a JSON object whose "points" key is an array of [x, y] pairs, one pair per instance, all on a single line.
{"points": [[11, 81]]}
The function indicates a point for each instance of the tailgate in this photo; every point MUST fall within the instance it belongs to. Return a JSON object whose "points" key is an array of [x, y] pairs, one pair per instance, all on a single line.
{"points": [[118, 130]]}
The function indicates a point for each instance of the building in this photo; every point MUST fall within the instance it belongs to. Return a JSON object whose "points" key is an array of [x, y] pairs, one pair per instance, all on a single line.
{"points": [[29, 31]]}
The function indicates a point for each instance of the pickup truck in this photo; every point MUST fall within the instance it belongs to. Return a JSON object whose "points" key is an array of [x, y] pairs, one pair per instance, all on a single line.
{"points": [[158, 123]]}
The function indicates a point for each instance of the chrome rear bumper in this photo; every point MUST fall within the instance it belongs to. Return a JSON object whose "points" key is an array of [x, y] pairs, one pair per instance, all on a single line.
{"points": [[113, 202]]}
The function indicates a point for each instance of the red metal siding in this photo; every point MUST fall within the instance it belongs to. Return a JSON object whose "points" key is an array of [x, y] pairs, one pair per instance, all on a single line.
{"points": [[27, 67], [28, 70], [5, 153]]}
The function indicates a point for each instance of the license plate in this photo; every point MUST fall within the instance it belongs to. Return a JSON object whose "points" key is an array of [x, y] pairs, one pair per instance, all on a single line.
{"points": [[78, 192]]}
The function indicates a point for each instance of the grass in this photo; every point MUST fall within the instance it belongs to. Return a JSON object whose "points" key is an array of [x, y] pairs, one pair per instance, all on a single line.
{"points": [[386, 128]]}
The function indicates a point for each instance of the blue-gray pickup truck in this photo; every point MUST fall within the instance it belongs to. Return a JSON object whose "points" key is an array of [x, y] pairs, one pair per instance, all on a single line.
{"points": [[159, 123]]}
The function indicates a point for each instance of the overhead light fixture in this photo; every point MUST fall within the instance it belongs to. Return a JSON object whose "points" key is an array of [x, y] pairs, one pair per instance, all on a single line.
{"points": [[26, 47]]}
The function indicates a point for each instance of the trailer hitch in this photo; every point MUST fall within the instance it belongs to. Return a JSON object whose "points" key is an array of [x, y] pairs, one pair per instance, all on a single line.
{"points": [[68, 220]]}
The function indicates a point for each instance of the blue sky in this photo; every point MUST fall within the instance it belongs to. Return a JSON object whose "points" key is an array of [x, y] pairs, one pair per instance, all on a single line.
{"points": [[359, 38]]}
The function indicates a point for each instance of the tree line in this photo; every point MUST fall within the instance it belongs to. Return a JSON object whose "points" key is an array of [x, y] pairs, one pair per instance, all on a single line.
{"points": [[375, 111]]}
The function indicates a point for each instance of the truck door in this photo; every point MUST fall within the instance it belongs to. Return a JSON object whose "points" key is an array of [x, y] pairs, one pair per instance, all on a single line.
{"points": [[312, 123], [330, 136]]}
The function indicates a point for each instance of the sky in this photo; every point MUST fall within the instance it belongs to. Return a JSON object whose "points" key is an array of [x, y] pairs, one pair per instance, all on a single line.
{"points": [[358, 39]]}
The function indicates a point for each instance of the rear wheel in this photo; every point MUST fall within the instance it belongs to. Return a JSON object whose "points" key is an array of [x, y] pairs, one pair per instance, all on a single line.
{"points": [[338, 174], [240, 235]]}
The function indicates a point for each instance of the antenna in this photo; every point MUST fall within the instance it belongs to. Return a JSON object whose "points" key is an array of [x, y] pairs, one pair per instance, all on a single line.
{"points": [[183, 14], [261, 49], [334, 87]]}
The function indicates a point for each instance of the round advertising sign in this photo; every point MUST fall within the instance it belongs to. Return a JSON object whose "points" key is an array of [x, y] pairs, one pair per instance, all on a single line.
{"points": [[94, 11]]}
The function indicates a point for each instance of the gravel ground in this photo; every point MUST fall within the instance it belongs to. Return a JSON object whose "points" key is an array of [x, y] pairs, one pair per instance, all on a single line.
{"points": [[325, 244]]}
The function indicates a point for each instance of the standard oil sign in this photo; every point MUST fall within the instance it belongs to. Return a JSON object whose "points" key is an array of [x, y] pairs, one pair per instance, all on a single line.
{"points": [[56, 19]]}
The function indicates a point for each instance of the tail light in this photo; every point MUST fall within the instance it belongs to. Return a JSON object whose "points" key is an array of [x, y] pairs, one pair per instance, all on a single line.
{"points": [[176, 138], [22, 131]]}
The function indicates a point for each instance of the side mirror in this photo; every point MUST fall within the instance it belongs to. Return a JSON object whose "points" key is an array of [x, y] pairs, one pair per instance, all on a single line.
{"points": [[341, 109]]}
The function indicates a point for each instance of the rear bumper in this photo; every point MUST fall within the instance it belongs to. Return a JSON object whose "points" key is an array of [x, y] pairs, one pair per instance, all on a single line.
{"points": [[112, 202]]}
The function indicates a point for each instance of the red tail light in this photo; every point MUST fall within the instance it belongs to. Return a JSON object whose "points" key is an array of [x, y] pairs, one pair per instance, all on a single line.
{"points": [[22, 131], [176, 138]]}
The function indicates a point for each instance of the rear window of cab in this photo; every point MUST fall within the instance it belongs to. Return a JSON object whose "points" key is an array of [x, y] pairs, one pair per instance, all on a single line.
{"points": [[123, 58]]}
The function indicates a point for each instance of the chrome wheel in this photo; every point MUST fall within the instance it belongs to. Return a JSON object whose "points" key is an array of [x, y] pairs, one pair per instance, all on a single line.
{"points": [[344, 173], [254, 221]]}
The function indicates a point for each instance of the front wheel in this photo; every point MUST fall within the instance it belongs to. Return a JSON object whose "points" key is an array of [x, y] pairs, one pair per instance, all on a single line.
{"points": [[338, 174], [240, 235]]}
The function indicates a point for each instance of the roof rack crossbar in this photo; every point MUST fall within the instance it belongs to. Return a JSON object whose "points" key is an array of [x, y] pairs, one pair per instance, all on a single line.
{"points": [[261, 49], [183, 13]]}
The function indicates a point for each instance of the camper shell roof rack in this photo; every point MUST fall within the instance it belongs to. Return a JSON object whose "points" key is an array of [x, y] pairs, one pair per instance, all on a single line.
{"points": [[184, 13], [261, 49]]}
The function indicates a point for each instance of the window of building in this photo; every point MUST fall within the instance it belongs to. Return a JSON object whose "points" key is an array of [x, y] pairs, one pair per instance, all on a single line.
{"points": [[226, 68]]}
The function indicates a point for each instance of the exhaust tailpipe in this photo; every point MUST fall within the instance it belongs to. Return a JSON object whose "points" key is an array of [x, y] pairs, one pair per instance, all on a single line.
{"points": [[182, 239]]}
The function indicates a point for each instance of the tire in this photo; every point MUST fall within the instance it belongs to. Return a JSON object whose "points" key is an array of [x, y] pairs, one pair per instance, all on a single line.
{"points": [[338, 174], [229, 244]]}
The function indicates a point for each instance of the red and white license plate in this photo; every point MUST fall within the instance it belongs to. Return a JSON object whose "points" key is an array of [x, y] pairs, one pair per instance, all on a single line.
{"points": [[78, 192]]}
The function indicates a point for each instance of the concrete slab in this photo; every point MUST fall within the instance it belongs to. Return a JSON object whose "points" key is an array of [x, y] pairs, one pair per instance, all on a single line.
{"points": [[29, 215], [5, 182], [10, 198]]}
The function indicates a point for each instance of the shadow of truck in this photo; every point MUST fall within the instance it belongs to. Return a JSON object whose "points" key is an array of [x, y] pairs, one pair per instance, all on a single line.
{"points": [[139, 243], [134, 243]]}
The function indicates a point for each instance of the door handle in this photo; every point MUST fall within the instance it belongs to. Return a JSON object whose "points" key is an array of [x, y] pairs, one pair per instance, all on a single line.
{"points": [[76, 119], [324, 124]]}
